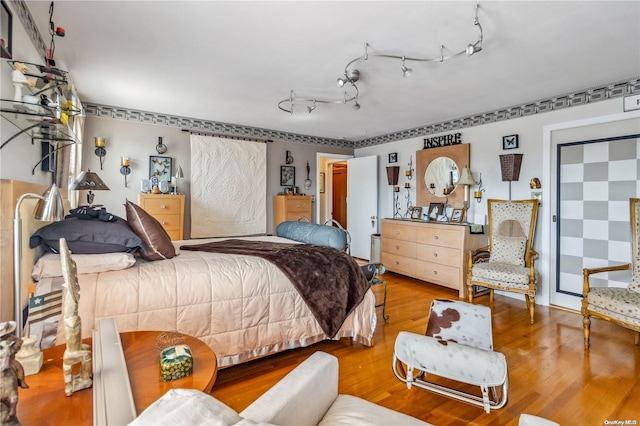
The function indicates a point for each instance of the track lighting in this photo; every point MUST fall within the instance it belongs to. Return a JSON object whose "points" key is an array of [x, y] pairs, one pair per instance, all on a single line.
{"points": [[352, 75], [312, 107], [406, 72]]}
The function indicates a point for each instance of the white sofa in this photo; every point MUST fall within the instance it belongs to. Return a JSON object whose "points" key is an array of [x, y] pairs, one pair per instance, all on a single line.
{"points": [[306, 396]]}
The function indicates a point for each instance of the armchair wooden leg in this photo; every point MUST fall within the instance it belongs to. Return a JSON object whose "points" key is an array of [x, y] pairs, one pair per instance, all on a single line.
{"points": [[586, 328], [470, 293], [531, 306], [491, 296]]}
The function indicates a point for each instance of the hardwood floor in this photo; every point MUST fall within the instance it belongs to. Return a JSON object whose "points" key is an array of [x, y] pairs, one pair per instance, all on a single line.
{"points": [[550, 373]]}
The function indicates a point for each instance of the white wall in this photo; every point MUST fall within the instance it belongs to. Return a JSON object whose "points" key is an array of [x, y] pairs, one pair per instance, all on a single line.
{"points": [[138, 140], [486, 146]]}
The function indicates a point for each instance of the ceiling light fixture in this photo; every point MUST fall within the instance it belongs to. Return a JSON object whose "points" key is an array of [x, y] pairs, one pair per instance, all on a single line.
{"points": [[406, 72], [352, 75]]}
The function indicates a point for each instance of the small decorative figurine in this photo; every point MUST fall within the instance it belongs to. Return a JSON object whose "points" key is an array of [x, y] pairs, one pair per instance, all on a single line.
{"points": [[76, 352], [19, 80], [11, 374]]}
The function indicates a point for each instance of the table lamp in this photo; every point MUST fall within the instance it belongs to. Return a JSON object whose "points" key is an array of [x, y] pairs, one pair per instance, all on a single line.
{"points": [[88, 181], [467, 180]]}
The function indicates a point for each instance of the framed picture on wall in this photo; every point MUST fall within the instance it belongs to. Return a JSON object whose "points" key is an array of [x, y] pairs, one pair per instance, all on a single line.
{"points": [[160, 167], [287, 175], [510, 142], [393, 157]]}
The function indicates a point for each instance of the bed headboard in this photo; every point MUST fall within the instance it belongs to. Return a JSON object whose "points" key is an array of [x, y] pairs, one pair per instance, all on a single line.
{"points": [[10, 191]]}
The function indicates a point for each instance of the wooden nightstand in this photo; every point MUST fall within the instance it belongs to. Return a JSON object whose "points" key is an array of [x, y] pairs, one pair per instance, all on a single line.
{"points": [[168, 209], [290, 208]]}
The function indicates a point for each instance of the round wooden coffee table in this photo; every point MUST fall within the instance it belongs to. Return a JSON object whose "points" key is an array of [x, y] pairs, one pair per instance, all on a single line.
{"points": [[45, 401]]}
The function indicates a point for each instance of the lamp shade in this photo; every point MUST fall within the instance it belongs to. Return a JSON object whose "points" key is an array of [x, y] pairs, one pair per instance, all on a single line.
{"points": [[50, 208], [510, 166], [179, 173], [88, 181], [392, 174], [466, 178]]}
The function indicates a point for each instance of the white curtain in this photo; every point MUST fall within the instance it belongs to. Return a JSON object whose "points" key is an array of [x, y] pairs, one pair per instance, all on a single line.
{"points": [[228, 187]]}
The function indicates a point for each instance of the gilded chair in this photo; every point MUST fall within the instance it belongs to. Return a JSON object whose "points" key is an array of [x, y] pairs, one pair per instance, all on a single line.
{"points": [[508, 262], [619, 305]]}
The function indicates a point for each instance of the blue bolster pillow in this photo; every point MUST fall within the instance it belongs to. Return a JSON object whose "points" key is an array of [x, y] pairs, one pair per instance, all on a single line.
{"points": [[312, 233]]}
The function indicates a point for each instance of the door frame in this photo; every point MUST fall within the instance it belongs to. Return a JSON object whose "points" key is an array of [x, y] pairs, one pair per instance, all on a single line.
{"points": [[548, 249], [320, 168]]}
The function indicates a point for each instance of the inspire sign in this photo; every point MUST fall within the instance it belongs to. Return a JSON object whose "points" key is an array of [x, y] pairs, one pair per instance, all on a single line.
{"points": [[444, 140]]}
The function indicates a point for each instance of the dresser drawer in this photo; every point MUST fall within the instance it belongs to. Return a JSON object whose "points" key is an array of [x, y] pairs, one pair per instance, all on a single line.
{"points": [[294, 216], [399, 247], [294, 205], [400, 264], [161, 206], [440, 235], [398, 231], [443, 255], [448, 276], [169, 222], [174, 234]]}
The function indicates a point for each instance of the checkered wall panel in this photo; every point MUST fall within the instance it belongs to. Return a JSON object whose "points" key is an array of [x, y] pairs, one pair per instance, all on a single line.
{"points": [[596, 180]]}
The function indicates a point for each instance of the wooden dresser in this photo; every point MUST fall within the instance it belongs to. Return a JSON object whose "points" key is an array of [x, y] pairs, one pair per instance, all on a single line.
{"points": [[290, 207], [433, 252], [168, 209]]}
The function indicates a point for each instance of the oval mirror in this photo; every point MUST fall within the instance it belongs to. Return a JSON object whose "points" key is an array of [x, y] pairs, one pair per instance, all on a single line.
{"points": [[441, 176]]}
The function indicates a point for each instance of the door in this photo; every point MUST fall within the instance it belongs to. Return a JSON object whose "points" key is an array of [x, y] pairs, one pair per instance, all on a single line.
{"points": [[362, 204], [339, 194]]}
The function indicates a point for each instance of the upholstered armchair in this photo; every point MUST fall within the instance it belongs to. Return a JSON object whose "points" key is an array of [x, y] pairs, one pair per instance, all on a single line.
{"points": [[619, 305], [508, 262]]}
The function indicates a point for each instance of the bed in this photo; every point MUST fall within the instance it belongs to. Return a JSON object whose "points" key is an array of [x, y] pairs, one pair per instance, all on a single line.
{"points": [[243, 307]]}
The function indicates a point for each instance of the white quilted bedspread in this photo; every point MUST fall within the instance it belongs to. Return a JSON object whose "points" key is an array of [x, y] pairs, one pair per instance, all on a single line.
{"points": [[241, 306]]}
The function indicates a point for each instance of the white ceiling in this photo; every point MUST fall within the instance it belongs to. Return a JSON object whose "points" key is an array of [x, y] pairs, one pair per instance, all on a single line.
{"points": [[233, 61]]}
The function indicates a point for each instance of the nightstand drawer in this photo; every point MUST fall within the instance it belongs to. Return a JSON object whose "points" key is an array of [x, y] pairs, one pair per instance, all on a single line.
{"points": [[168, 221], [297, 205], [163, 206]]}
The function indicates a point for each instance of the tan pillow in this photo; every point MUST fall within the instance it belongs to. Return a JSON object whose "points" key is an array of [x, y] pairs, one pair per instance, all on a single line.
{"points": [[509, 250], [156, 243], [48, 266]]}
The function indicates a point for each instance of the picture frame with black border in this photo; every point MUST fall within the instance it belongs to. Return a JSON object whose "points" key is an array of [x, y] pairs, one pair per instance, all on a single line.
{"points": [[393, 157], [510, 142], [6, 31], [416, 212], [287, 175], [439, 209], [456, 216], [160, 167]]}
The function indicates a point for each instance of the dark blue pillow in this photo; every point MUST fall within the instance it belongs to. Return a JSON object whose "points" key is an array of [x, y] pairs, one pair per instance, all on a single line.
{"points": [[87, 236]]}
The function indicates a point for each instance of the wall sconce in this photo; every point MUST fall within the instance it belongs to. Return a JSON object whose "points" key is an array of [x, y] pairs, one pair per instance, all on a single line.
{"points": [[125, 169], [510, 166], [478, 194], [161, 148], [392, 179], [409, 172], [100, 150]]}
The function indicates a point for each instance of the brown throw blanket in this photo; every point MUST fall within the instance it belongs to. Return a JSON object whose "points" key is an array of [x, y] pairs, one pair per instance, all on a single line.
{"points": [[329, 281]]}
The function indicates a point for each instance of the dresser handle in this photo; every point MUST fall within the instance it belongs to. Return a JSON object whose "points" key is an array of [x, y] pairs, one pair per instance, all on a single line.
{"points": [[162, 206], [435, 237], [397, 247], [397, 232], [435, 254], [397, 263], [162, 223], [435, 272]]}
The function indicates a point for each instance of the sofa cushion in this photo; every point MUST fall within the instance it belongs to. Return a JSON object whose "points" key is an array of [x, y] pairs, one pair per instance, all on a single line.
{"points": [[187, 407], [351, 410]]}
